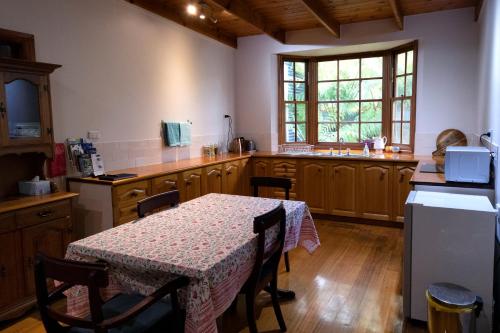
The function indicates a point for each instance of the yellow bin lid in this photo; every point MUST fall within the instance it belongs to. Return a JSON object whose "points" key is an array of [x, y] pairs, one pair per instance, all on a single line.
{"points": [[452, 296]]}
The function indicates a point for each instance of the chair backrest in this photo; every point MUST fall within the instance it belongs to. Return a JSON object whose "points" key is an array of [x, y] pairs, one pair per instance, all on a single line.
{"points": [[92, 275], [156, 202], [280, 182], [269, 254]]}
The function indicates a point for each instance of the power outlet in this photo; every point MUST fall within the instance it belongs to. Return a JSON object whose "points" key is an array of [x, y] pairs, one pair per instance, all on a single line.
{"points": [[93, 135]]}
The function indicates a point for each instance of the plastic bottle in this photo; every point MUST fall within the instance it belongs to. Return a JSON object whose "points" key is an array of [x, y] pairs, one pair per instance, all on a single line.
{"points": [[366, 150]]}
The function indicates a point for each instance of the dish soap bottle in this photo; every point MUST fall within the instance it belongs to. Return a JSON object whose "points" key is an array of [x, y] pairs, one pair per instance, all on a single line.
{"points": [[366, 150]]}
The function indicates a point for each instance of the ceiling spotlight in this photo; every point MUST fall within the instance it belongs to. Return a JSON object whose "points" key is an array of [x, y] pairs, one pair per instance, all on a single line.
{"points": [[192, 9], [202, 16]]}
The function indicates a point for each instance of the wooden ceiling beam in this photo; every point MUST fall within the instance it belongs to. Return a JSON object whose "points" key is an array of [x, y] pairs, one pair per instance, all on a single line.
{"points": [[321, 14], [181, 17], [242, 10], [396, 11]]}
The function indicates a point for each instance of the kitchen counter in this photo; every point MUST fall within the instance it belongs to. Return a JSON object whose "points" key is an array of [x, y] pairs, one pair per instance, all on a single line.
{"points": [[357, 156], [20, 202]]}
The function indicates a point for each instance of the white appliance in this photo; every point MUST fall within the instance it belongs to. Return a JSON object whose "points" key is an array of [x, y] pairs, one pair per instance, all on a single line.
{"points": [[448, 238], [467, 164]]}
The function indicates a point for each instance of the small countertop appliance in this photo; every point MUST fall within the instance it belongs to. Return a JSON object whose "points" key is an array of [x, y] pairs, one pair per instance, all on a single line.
{"points": [[467, 164]]}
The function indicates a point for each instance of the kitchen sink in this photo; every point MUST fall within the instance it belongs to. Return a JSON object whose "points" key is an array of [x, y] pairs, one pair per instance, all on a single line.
{"points": [[325, 154]]}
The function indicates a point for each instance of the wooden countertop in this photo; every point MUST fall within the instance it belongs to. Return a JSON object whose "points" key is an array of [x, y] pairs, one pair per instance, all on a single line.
{"points": [[20, 202], [156, 170], [438, 179]]}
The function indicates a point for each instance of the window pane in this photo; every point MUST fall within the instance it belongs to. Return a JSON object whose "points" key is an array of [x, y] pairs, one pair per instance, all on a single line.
{"points": [[327, 91], [288, 91], [288, 71], [349, 132], [400, 86], [349, 69], [290, 132], [301, 132], [396, 132], [349, 111], [406, 134], [300, 91], [371, 67], [289, 112], [301, 112], [396, 110], [409, 62], [327, 112], [371, 89], [327, 133], [300, 70], [400, 64], [369, 131], [371, 111], [327, 70], [406, 110], [348, 90], [409, 86]]}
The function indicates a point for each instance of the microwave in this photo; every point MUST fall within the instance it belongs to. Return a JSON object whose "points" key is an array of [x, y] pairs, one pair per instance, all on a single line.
{"points": [[467, 164]]}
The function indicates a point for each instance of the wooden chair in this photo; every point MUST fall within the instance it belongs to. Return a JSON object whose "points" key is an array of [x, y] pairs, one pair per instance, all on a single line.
{"points": [[122, 313], [279, 182], [265, 271], [156, 202]]}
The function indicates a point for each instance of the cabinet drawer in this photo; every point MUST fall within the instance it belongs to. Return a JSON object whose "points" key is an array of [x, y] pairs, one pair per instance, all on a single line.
{"points": [[126, 214], [165, 183], [7, 222], [39, 214], [131, 193]]}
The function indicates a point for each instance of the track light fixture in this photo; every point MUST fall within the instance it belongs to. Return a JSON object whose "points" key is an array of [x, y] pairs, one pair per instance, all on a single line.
{"points": [[202, 10]]}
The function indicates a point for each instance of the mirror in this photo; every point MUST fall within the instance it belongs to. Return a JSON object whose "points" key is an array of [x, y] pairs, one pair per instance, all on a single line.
{"points": [[23, 109]]}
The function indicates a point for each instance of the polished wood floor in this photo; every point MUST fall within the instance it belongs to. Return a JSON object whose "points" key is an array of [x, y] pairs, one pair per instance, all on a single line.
{"points": [[352, 283]]}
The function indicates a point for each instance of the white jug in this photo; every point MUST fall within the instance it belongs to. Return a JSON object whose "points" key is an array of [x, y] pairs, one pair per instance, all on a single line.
{"points": [[379, 143]]}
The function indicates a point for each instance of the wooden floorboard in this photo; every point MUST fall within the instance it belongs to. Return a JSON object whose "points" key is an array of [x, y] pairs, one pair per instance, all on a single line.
{"points": [[352, 283]]}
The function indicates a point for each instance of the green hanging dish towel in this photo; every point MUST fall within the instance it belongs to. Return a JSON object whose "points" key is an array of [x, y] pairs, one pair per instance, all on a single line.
{"points": [[185, 137], [171, 134]]}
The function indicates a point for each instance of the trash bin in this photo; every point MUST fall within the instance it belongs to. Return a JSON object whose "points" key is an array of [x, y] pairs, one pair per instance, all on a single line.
{"points": [[452, 308]]}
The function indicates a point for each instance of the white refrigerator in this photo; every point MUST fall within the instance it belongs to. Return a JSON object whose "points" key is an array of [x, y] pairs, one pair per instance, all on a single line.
{"points": [[448, 238]]}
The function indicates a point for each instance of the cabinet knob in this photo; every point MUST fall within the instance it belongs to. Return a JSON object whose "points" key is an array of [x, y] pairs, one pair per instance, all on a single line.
{"points": [[401, 178], [3, 271], [187, 181], [136, 192], [382, 175], [45, 213]]}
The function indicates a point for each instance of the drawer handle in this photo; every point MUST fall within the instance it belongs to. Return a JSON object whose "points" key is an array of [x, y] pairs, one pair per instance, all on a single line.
{"points": [[171, 182], [401, 178], [136, 192], [382, 175], [45, 213], [188, 182]]}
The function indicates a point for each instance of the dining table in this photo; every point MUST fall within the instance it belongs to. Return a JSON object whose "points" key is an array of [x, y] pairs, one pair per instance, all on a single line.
{"points": [[209, 239]]}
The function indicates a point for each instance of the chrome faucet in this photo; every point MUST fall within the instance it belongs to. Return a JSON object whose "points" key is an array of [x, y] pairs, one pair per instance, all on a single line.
{"points": [[341, 142]]}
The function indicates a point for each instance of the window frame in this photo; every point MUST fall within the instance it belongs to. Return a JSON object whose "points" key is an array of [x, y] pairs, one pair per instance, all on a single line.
{"points": [[388, 95]]}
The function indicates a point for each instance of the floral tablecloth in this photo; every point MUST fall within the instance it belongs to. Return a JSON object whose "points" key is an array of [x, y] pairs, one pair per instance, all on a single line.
{"points": [[209, 239]]}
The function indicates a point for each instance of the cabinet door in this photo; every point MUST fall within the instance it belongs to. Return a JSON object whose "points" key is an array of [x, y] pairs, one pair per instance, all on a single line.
{"points": [[402, 187], [10, 274], [314, 186], [191, 184], [286, 168], [376, 191], [50, 238], [213, 179], [245, 176], [231, 178], [165, 184], [25, 109], [343, 185], [261, 167]]}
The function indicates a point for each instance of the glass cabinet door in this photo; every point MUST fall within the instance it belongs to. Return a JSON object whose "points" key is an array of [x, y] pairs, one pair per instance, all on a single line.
{"points": [[23, 110]]}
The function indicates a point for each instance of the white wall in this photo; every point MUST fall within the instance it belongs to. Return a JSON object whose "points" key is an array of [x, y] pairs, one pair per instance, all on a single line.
{"points": [[489, 76], [446, 78], [123, 71]]}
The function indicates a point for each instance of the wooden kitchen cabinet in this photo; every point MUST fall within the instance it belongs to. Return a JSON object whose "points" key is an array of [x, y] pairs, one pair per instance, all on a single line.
{"points": [[191, 184], [125, 198], [213, 179], [165, 183], [245, 172], [11, 287], [285, 168], [401, 189], [261, 167], [231, 182], [375, 191], [343, 186], [50, 238], [314, 185]]}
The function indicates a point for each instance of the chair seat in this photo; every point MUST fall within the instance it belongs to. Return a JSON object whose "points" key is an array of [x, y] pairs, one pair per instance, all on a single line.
{"points": [[143, 322]]}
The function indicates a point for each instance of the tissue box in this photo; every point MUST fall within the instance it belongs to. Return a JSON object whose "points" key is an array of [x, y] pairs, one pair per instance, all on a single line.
{"points": [[31, 187]]}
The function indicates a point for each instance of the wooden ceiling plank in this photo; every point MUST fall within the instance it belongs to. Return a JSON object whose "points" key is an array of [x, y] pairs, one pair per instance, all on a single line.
{"points": [[321, 14], [398, 16], [477, 9], [186, 21], [242, 10]]}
